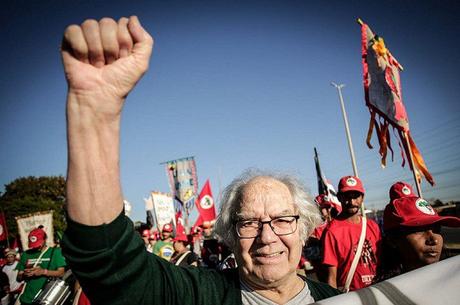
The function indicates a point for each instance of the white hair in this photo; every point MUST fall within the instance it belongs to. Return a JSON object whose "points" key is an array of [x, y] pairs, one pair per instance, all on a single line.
{"points": [[310, 216]]}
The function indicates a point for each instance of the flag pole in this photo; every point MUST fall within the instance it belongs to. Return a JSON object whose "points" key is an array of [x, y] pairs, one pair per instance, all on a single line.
{"points": [[347, 128], [411, 160]]}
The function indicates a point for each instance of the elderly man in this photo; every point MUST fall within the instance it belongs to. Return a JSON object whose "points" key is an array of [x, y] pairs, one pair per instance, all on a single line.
{"points": [[264, 219]]}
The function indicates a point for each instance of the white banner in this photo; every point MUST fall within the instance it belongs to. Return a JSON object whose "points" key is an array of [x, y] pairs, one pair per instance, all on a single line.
{"points": [[27, 223], [163, 207], [433, 284]]}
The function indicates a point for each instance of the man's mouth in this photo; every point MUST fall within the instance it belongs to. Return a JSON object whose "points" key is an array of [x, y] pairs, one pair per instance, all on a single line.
{"points": [[431, 253], [269, 255]]}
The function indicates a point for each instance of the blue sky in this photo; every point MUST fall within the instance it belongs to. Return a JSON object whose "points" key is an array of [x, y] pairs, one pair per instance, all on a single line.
{"points": [[239, 84]]}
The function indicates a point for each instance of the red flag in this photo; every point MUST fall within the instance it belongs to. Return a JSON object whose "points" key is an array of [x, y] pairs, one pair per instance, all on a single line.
{"points": [[382, 90], [205, 204], [180, 229], [3, 228], [198, 222]]}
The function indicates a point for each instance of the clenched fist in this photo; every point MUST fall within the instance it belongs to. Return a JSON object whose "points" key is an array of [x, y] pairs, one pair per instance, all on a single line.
{"points": [[103, 60]]}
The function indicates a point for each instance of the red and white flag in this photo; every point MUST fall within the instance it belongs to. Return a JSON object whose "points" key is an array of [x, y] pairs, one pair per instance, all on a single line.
{"points": [[3, 229], [205, 204], [383, 94]]}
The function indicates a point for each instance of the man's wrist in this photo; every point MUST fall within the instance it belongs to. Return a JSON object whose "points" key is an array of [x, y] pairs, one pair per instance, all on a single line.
{"points": [[90, 111], [45, 272]]}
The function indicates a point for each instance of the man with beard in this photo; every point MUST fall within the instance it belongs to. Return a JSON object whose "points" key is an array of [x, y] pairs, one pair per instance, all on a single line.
{"points": [[341, 238]]}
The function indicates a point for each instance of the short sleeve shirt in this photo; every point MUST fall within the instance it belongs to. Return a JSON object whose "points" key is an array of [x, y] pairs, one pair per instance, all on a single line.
{"points": [[340, 242]]}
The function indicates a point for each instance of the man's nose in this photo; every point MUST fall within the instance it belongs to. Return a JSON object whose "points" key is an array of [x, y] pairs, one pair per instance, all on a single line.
{"points": [[432, 238], [266, 234]]}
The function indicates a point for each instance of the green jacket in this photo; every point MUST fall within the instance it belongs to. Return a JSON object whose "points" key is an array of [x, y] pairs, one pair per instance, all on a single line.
{"points": [[113, 268]]}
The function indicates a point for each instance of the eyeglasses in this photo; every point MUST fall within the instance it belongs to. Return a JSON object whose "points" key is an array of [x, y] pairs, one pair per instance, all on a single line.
{"points": [[282, 225]]}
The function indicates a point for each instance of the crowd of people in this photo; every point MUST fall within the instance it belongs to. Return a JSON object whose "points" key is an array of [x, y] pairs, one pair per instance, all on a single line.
{"points": [[265, 225], [410, 238]]}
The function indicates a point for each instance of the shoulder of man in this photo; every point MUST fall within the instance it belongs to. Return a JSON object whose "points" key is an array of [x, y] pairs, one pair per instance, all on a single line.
{"points": [[320, 290]]}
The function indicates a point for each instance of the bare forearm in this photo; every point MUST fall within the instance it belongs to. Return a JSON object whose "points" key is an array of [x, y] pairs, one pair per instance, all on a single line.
{"points": [[53, 273], [332, 276], [94, 193]]}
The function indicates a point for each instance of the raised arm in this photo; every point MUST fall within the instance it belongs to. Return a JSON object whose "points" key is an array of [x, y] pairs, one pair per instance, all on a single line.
{"points": [[103, 60]]}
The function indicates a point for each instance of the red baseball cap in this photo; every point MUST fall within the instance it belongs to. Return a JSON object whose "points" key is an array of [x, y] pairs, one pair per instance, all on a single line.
{"points": [[36, 238], [401, 189], [414, 212], [167, 228], [350, 183]]}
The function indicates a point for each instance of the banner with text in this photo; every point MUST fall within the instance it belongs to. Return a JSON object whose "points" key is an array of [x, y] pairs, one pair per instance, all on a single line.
{"points": [[163, 207]]}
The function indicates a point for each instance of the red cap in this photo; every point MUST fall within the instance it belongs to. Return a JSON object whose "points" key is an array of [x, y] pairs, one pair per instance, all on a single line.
{"points": [[36, 238], [401, 189], [350, 183], [167, 228], [414, 212], [145, 233]]}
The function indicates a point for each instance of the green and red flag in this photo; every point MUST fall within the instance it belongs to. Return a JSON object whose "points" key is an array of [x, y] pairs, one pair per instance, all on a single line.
{"points": [[382, 90]]}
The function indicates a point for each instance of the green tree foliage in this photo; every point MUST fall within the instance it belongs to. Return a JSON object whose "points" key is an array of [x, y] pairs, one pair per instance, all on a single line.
{"points": [[27, 195]]}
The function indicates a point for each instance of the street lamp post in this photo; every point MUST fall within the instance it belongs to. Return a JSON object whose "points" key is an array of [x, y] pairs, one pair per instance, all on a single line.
{"points": [[347, 128]]}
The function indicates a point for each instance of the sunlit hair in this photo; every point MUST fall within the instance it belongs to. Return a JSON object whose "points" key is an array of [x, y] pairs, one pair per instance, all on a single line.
{"points": [[231, 202]]}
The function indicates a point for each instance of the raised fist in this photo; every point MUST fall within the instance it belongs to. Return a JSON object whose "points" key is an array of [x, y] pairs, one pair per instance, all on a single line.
{"points": [[103, 60]]}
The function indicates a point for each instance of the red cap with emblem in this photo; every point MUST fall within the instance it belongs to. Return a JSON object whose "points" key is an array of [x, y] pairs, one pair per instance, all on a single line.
{"points": [[167, 228], [414, 212], [36, 238], [401, 189], [351, 183]]}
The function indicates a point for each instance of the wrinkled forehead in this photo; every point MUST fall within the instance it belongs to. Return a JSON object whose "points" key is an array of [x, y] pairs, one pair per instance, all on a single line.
{"points": [[265, 196]]}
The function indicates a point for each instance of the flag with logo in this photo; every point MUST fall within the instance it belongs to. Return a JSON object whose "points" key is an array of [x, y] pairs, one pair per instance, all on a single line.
{"points": [[205, 204], [383, 95], [183, 180], [3, 228], [325, 187]]}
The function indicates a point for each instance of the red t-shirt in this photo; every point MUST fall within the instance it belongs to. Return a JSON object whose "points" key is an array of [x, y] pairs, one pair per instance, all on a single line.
{"points": [[318, 231], [340, 242]]}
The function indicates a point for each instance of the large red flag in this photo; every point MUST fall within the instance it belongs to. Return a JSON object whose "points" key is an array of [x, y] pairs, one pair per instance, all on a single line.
{"points": [[382, 89], [3, 229], [205, 203]]}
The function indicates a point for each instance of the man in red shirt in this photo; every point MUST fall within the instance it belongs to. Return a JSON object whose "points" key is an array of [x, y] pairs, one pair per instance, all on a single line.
{"points": [[340, 240]]}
